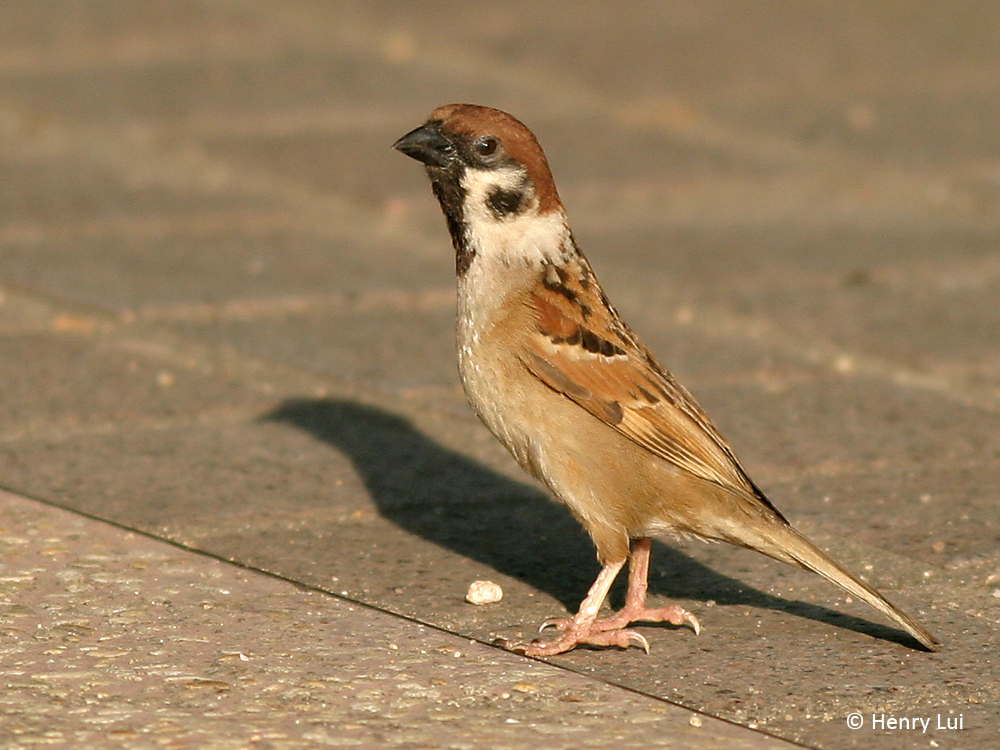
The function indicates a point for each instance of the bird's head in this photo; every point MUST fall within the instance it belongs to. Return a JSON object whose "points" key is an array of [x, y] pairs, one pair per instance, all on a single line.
{"points": [[488, 172]]}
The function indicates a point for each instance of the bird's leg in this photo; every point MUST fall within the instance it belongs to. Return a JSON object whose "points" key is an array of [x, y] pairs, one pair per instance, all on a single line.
{"points": [[580, 629], [635, 609]]}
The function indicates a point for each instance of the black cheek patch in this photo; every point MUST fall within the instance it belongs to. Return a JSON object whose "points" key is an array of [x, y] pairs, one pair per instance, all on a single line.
{"points": [[504, 203]]}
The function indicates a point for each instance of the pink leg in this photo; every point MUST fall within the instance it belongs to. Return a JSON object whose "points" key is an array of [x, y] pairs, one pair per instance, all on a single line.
{"points": [[580, 628], [635, 609]]}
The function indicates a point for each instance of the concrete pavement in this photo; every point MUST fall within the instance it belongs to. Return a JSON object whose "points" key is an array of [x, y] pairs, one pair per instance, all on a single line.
{"points": [[226, 335]]}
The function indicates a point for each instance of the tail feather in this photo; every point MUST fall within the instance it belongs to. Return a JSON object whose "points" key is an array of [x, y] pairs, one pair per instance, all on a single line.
{"points": [[784, 543]]}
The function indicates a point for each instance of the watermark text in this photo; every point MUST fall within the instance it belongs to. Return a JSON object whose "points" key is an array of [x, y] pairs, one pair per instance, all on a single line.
{"points": [[937, 722]]}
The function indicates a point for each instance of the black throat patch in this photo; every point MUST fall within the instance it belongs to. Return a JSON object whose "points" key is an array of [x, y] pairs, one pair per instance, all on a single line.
{"points": [[451, 195]]}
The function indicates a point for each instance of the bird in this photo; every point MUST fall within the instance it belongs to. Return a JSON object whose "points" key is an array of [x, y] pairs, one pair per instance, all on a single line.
{"points": [[550, 367]]}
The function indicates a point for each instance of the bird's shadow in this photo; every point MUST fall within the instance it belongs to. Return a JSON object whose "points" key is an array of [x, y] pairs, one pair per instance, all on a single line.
{"points": [[516, 529]]}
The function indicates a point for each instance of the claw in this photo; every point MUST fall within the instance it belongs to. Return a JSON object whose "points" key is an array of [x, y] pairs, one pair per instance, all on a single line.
{"points": [[639, 639], [682, 616], [559, 623], [518, 647], [696, 626]]}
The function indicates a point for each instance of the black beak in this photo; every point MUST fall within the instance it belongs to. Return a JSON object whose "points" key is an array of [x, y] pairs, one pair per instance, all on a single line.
{"points": [[427, 145]]}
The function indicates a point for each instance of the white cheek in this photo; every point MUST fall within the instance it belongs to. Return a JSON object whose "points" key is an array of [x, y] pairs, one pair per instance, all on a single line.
{"points": [[478, 183], [526, 237]]}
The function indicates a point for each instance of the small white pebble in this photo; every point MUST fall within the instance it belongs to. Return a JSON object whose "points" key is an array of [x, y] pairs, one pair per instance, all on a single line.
{"points": [[695, 720], [484, 592]]}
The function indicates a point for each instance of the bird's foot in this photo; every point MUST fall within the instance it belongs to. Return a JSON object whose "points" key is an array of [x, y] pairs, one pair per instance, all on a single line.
{"points": [[575, 635], [673, 614], [611, 631]]}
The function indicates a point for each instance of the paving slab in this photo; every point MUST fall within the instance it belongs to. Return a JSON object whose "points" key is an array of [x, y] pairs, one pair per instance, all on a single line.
{"points": [[114, 639]]}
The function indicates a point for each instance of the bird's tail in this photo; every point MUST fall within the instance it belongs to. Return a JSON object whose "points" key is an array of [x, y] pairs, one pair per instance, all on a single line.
{"points": [[784, 543]]}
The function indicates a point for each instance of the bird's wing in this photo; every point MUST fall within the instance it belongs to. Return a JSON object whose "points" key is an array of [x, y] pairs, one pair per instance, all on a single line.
{"points": [[581, 348]]}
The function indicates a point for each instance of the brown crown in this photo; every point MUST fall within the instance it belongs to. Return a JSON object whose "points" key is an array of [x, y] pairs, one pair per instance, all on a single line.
{"points": [[474, 121]]}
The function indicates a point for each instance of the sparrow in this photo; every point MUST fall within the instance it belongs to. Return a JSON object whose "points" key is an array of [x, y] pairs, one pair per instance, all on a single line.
{"points": [[554, 372]]}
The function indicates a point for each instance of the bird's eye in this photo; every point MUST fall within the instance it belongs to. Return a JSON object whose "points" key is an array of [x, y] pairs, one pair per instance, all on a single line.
{"points": [[487, 146]]}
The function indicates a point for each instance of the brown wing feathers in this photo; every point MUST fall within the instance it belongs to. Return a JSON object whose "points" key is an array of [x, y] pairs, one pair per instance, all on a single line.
{"points": [[629, 392]]}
